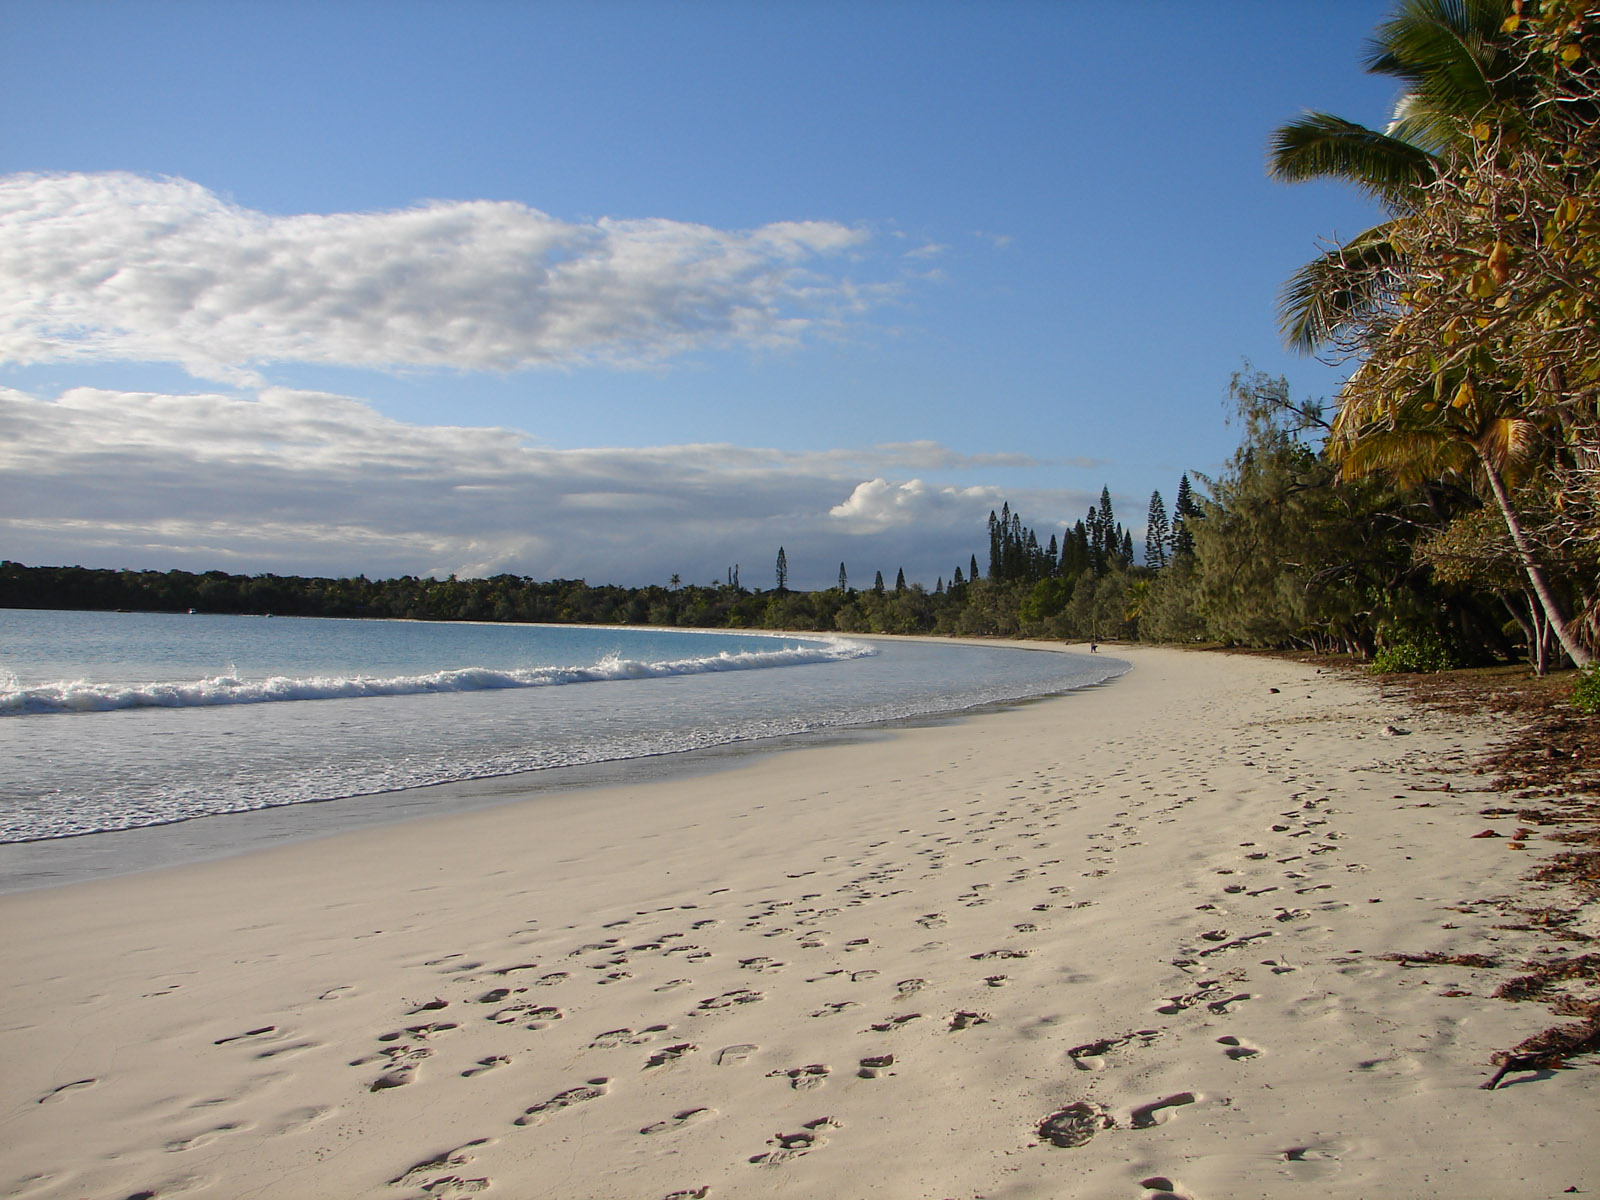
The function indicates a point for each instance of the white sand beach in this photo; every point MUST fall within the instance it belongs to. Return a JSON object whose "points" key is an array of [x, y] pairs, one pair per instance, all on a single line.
{"points": [[1122, 943]]}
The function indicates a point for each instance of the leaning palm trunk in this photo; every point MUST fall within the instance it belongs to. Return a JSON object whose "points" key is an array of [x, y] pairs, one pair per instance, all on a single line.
{"points": [[1560, 624]]}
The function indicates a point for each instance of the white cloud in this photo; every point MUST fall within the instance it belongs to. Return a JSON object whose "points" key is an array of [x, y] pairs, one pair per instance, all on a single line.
{"points": [[118, 266], [311, 483], [878, 505]]}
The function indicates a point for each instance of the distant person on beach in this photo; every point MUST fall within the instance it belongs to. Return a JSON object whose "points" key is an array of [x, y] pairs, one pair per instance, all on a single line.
{"points": [[1094, 648]]}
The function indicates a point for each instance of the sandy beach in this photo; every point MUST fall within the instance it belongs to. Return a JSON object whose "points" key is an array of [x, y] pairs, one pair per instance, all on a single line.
{"points": [[1123, 943]]}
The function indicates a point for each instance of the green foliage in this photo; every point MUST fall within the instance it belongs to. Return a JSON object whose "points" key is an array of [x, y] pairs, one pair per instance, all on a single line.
{"points": [[1424, 654], [1586, 691]]}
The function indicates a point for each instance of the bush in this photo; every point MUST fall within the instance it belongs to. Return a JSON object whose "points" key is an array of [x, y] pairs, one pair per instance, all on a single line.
{"points": [[1422, 655], [1586, 692]]}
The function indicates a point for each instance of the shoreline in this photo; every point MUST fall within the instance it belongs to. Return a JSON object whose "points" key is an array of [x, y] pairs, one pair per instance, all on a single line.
{"points": [[1124, 941], [65, 861]]}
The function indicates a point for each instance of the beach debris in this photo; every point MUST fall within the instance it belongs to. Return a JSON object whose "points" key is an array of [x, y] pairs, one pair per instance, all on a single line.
{"points": [[1074, 1125], [1546, 1051], [1395, 731]]}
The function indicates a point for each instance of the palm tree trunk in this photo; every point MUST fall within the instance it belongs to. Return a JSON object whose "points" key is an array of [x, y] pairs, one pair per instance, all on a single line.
{"points": [[1559, 624]]}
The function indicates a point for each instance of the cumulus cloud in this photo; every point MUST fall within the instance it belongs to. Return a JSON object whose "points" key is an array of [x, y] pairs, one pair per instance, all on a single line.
{"points": [[118, 266], [312, 483], [878, 505]]}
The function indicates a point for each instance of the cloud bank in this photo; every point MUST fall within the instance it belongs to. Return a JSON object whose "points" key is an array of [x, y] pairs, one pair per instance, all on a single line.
{"points": [[121, 267], [311, 483]]}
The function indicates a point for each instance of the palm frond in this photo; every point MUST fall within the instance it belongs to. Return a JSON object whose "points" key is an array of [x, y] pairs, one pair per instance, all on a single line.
{"points": [[1335, 289], [1319, 145]]}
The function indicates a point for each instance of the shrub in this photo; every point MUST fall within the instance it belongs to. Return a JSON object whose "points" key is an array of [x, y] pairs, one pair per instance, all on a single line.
{"points": [[1586, 692], [1419, 655]]}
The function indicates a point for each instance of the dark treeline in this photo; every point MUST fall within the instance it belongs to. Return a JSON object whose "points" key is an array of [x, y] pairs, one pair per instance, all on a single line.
{"points": [[1279, 552]]}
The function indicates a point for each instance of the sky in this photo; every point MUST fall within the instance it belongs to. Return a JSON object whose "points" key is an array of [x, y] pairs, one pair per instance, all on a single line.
{"points": [[624, 291]]}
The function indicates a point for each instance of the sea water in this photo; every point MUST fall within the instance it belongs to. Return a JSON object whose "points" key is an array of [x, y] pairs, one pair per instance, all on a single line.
{"points": [[121, 721]]}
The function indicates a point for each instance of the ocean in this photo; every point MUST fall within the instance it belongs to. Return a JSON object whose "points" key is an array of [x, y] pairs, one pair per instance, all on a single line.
{"points": [[124, 723]]}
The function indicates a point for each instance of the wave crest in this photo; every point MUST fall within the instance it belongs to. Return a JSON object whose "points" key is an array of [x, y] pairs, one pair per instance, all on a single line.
{"points": [[85, 696]]}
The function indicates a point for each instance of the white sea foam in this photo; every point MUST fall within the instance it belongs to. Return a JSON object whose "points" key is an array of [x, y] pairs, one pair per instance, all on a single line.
{"points": [[87, 696]]}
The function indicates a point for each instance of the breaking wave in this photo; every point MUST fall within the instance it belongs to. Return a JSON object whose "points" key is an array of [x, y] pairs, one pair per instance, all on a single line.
{"points": [[86, 696]]}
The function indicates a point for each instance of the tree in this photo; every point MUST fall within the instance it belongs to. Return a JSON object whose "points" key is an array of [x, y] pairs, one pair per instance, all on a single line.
{"points": [[844, 580], [1184, 509], [877, 584], [783, 570], [1476, 324], [900, 580], [1157, 533]]}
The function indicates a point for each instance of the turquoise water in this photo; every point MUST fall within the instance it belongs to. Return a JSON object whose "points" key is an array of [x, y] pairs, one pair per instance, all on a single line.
{"points": [[117, 721]]}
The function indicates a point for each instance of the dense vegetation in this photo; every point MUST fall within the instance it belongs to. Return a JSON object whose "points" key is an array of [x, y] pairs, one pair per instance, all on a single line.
{"points": [[1444, 510]]}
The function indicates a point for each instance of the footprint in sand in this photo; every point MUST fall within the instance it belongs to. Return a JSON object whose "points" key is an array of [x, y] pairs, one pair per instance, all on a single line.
{"points": [[1238, 1049], [485, 1064], [907, 986], [834, 1009], [1159, 1187], [678, 1120], [433, 1005], [421, 1032], [539, 1113], [434, 1177], [1159, 1112], [1091, 1056], [1220, 1007], [669, 1054], [966, 1020], [894, 1023], [729, 999], [792, 1145], [806, 1078], [761, 964], [204, 1137], [875, 1066], [297, 1119], [248, 1033], [61, 1093], [732, 1056], [1074, 1125]]}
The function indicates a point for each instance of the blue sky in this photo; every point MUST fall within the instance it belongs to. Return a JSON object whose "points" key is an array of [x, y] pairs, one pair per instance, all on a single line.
{"points": [[626, 290]]}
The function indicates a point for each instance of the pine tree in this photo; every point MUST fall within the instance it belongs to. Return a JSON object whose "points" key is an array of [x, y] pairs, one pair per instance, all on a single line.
{"points": [[972, 573], [783, 570], [900, 581], [1157, 533], [844, 580], [957, 581], [877, 584], [1183, 509]]}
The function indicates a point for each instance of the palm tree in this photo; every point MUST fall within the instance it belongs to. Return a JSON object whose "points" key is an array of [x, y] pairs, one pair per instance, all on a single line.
{"points": [[1452, 56], [1480, 434]]}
